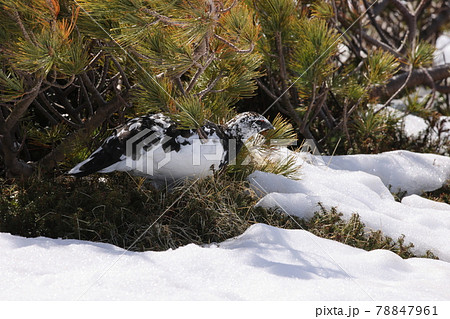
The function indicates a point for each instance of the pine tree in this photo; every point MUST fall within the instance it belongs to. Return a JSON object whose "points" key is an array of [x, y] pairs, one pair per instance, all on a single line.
{"points": [[194, 59], [69, 65], [326, 61]]}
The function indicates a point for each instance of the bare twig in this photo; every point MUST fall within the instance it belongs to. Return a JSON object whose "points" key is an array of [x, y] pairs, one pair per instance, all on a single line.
{"points": [[199, 72], [375, 24], [61, 118], [230, 7], [91, 88], [380, 44], [210, 86], [21, 26], [65, 86], [441, 19], [410, 71], [162, 18], [235, 48], [122, 73]]}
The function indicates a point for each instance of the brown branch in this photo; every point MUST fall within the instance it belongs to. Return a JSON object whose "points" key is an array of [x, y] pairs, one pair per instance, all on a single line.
{"points": [[162, 18], [380, 6], [375, 24], [103, 113], [410, 20], [22, 106], [56, 113], [229, 8], [92, 89], [67, 105], [21, 26], [45, 113], [418, 77], [411, 68], [445, 89], [87, 98], [199, 72], [210, 86], [433, 87], [15, 167], [441, 19], [122, 73], [266, 89], [64, 86], [235, 48], [380, 44]]}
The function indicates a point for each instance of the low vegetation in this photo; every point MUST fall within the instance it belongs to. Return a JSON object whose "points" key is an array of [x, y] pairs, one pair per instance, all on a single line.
{"points": [[128, 212]]}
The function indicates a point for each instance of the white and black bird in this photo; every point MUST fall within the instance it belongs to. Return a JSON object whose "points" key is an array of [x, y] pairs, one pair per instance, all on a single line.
{"points": [[154, 146]]}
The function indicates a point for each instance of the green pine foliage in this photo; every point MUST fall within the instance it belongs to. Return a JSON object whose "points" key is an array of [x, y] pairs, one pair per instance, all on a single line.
{"points": [[194, 59]]}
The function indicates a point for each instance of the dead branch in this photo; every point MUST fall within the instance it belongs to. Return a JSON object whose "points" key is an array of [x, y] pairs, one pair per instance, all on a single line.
{"points": [[418, 77]]}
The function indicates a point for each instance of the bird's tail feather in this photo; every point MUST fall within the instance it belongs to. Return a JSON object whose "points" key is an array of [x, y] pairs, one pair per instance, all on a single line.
{"points": [[97, 161]]}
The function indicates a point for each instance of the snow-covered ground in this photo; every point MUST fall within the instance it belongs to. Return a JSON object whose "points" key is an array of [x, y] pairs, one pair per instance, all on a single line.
{"points": [[360, 184], [265, 263]]}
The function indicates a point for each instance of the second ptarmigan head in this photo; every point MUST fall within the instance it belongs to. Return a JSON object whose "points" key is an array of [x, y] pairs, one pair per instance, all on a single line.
{"points": [[154, 146]]}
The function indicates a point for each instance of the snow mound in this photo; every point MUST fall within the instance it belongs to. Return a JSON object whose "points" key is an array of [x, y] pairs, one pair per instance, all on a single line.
{"points": [[265, 263], [401, 170], [359, 184]]}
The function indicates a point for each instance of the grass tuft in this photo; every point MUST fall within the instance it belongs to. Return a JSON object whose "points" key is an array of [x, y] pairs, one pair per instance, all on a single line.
{"points": [[118, 209]]}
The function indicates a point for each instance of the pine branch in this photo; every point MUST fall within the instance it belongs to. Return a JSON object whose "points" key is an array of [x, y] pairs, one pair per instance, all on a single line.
{"points": [[199, 72], [229, 8], [102, 114], [162, 18], [235, 48], [22, 106], [380, 44], [210, 86]]}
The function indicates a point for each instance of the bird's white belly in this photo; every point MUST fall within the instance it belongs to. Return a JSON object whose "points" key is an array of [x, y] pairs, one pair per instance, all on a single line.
{"points": [[192, 160]]}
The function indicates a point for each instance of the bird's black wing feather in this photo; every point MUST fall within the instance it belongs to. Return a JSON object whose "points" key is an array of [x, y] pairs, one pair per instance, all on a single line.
{"points": [[144, 131]]}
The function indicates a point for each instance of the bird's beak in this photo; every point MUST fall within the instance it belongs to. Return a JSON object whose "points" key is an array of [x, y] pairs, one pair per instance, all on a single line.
{"points": [[266, 128], [269, 127]]}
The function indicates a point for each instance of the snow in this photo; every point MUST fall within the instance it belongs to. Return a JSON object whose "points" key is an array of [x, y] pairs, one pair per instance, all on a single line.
{"points": [[442, 53], [265, 263], [402, 170], [360, 184]]}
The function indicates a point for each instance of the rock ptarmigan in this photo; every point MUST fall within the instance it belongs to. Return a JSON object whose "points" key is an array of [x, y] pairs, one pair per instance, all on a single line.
{"points": [[153, 146]]}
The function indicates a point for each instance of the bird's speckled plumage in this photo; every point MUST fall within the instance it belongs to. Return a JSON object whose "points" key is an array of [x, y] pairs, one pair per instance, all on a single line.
{"points": [[154, 146]]}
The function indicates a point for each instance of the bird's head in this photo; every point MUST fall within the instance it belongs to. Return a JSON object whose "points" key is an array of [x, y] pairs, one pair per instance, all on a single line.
{"points": [[245, 125]]}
